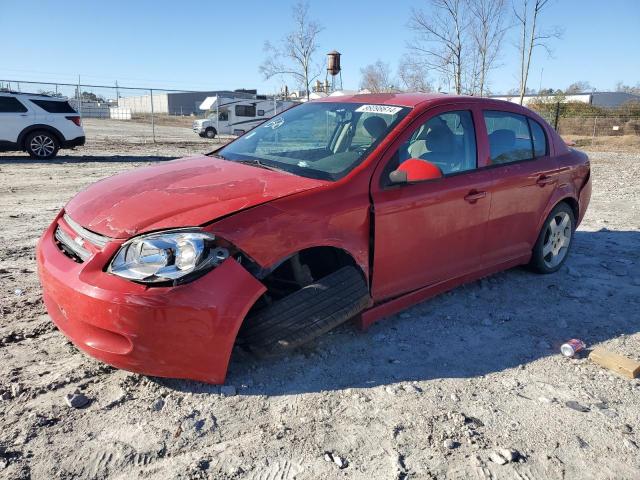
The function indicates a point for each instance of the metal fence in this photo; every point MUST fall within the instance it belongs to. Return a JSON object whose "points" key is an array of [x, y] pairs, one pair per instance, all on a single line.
{"points": [[129, 114], [115, 113], [584, 121]]}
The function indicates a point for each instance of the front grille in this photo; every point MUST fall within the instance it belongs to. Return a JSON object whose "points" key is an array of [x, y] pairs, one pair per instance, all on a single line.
{"points": [[95, 238], [81, 243], [70, 247]]}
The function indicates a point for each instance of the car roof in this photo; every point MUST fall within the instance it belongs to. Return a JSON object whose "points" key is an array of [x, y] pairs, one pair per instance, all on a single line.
{"points": [[29, 94], [397, 99], [420, 99]]}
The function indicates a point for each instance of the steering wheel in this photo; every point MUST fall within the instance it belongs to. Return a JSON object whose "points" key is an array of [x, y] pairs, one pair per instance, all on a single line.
{"points": [[361, 149]]}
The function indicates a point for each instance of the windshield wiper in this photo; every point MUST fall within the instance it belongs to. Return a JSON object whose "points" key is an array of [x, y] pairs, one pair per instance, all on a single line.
{"points": [[258, 163]]}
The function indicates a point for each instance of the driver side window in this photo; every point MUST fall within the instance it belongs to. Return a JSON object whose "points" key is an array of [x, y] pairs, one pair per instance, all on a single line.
{"points": [[448, 141]]}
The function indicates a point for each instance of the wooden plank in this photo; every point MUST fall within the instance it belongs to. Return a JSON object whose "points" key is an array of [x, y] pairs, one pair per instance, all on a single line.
{"points": [[617, 363]]}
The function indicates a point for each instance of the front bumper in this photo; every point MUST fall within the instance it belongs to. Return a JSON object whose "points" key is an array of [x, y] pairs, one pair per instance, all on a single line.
{"points": [[187, 331]]}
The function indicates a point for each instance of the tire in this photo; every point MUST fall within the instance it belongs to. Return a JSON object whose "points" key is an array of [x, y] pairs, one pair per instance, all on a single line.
{"points": [[41, 145], [554, 241], [210, 132], [306, 313]]}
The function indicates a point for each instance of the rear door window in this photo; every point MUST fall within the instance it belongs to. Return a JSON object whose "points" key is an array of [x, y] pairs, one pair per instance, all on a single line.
{"points": [[11, 105], [53, 106], [509, 137]]}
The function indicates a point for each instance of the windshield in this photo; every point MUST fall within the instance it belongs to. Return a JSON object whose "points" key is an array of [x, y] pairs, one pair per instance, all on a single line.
{"points": [[319, 140]]}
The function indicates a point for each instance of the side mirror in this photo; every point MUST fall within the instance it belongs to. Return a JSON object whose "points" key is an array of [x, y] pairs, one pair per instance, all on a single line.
{"points": [[415, 170]]}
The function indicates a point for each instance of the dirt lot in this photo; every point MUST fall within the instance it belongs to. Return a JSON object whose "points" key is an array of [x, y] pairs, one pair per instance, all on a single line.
{"points": [[433, 392]]}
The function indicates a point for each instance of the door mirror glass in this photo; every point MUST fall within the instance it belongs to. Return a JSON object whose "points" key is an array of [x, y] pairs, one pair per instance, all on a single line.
{"points": [[415, 170]]}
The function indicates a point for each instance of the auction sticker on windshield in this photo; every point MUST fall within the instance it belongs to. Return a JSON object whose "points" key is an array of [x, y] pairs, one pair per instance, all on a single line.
{"points": [[273, 124], [383, 109]]}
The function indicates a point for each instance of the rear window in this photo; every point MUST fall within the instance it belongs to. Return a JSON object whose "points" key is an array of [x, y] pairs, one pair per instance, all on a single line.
{"points": [[11, 105], [53, 106]]}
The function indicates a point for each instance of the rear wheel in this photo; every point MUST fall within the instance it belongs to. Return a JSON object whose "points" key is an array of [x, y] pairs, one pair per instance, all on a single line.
{"points": [[554, 241], [306, 313], [210, 132], [42, 145]]}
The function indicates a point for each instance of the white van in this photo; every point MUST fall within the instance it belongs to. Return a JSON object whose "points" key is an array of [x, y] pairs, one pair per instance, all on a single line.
{"points": [[236, 116]]}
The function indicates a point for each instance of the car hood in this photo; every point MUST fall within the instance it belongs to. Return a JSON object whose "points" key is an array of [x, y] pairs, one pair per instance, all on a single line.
{"points": [[179, 193]]}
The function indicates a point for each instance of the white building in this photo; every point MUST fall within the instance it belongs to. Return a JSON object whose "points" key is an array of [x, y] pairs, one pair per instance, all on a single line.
{"points": [[598, 99]]}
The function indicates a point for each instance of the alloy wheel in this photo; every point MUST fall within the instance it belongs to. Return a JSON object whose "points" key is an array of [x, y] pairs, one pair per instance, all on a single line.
{"points": [[42, 145], [557, 239]]}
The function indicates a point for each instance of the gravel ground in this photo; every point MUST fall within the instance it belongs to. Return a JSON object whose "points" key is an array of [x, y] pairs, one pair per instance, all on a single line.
{"points": [[467, 385]]}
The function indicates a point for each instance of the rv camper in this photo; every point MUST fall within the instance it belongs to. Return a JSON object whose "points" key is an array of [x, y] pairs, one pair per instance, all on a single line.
{"points": [[236, 116]]}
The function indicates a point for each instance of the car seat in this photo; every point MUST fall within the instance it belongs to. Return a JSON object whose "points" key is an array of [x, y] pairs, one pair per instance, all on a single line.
{"points": [[435, 144], [501, 142], [374, 126]]}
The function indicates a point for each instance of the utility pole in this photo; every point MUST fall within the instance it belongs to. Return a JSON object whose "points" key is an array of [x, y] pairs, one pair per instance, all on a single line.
{"points": [[153, 123], [79, 97], [540, 86], [117, 93]]}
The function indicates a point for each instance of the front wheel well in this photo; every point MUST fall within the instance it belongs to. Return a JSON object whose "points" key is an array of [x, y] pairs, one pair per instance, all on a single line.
{"points": [[304, 268]]}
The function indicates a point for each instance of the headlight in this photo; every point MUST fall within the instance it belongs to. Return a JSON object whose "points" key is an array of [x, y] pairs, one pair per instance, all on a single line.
{"points": [[167, 256]]}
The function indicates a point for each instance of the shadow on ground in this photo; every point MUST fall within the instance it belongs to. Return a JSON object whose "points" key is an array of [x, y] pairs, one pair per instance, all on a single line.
{"points": [[64, 159], [502, 322]]}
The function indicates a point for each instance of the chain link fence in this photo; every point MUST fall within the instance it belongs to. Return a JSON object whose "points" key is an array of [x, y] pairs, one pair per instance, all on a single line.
{"points": [[589, 124], [132, 115], [124, 114]]}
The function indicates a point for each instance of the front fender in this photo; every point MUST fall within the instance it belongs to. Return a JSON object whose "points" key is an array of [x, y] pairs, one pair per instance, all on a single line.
{"points": [[272, 232]]}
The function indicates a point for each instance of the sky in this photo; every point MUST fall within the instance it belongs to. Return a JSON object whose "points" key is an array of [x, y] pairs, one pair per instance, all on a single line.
{"points": [[219, 45]]}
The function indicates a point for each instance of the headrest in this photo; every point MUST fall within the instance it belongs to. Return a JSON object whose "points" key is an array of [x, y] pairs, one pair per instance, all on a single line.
{"points": [[504, 138], [375, 126], [438, 139]]}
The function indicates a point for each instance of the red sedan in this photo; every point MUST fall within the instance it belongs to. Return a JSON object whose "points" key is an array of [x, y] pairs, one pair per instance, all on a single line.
{"points": [[348, 207]]}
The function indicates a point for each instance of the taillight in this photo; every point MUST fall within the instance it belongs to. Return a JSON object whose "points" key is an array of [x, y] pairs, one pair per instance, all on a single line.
{"points": [[75, 119]]}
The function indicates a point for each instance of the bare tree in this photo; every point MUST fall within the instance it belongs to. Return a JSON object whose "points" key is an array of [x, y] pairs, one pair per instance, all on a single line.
{"points": [[578, 87], [413, 76], [621, 87], [530, 36], [294, 57], [441, 38], [377, 77], [488, 27]]}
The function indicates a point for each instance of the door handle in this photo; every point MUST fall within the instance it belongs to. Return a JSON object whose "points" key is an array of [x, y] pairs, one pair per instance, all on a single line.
{"points": [[546, 180], [473, 196]]}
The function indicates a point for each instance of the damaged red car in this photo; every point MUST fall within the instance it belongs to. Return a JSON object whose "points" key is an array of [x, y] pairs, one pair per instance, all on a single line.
{"points": [[350, 207]]}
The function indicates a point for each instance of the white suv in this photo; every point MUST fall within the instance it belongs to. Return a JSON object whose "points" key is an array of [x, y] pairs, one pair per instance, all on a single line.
{"points": [[38, 124]]}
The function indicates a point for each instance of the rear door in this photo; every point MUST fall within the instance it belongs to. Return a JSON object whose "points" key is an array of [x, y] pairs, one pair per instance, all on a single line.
{"points": [[431, 231], [15, 116], [525, 176]]}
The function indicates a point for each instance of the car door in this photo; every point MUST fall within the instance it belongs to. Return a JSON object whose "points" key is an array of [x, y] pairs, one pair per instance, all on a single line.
{"points": [[525, 178], [14, 117], [428, 232]]}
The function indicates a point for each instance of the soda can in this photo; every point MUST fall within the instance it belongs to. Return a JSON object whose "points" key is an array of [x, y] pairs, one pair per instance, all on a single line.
{"points": [[571, 347]]}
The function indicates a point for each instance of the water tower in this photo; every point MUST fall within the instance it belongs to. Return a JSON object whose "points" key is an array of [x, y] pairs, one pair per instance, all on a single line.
{"points": [[333, 70]]}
